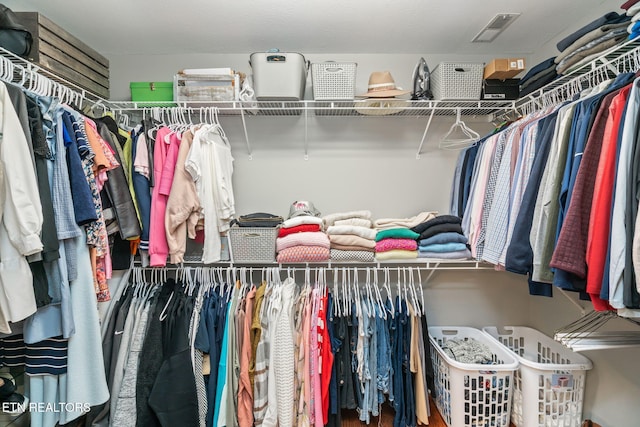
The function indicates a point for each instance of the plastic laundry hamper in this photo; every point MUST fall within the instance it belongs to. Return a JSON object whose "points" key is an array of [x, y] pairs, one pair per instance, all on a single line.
{"points": [[472, 395], [549, 385]]}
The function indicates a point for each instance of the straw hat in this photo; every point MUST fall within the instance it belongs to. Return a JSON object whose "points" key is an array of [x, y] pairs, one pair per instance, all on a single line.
{"points": [[381, 85]]}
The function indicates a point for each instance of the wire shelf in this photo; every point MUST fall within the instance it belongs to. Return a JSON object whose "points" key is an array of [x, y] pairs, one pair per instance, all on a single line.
{"points": [[354, 108]]}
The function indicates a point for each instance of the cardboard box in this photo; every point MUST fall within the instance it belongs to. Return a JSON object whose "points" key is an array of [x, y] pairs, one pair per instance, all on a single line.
{"points": [[494, 89], [504, 68]]}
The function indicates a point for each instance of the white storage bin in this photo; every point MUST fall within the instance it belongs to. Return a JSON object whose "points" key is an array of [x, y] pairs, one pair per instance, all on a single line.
{"points": [[549, 385], [453, 80], [468, 394], [278, 76], [253, 244], [333, 81]]}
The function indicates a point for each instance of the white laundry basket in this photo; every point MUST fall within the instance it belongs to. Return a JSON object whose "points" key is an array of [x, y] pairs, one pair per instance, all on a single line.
{"points": [[549, 385], [472, 395]]}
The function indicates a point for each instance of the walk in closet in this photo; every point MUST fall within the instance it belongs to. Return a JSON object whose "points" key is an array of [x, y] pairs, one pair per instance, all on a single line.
{"points": [[341, 156]]}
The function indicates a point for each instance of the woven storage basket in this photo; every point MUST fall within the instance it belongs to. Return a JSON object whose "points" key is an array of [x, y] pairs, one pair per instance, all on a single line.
{"points": [[472, 395], [549, 385], [333, 80], [454, 80], [253, 244]]}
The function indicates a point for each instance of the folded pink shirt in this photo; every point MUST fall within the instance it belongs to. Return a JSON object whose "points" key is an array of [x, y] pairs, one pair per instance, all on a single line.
{"points": [[391, 244], [307, 238]]}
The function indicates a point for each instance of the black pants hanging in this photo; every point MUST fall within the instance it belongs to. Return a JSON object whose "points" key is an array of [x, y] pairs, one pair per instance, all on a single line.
{"points": [[174, 398]]}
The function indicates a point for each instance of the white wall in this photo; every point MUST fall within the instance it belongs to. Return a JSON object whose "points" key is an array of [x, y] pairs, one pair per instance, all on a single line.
{"points": [[370, 163], [146, 68]]}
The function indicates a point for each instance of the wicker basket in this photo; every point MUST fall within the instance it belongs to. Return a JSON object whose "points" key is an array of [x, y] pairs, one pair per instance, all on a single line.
{"points": [[453, 80], [253, 244], [333, 80]]}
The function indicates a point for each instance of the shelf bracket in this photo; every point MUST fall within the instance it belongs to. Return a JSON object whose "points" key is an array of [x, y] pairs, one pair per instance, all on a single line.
{"points": [[246, 134], [424, 135], [306, 134]]}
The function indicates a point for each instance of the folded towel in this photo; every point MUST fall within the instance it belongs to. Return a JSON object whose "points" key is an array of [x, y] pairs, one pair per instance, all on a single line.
{"points": [[443, 247], [385, 245], [441, 228], [466, 254], [298, 229], [397, 233], [396, 254], [316, 238], [447, 237], [352, 240], [440, 219], [300, 220], [332, 218], [355, 256], [367, 233], [351, 247], [362, 222], [386, 223], [303, 254]]}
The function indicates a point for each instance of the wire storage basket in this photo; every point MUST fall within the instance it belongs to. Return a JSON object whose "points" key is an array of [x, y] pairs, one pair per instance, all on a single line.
{"points": [[454, 80], [333, 81], [467, 394], [253, 244], [549, 384]]}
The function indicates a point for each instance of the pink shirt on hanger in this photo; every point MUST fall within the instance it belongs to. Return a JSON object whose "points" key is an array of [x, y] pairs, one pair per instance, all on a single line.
{"points": [[165, 151]]}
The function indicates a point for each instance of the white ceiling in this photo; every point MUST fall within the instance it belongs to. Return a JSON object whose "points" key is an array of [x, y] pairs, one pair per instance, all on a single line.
{"points": [[331, 26]]}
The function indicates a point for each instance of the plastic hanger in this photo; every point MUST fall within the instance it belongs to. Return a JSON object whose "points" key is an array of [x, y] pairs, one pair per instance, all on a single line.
{"points": [[459, 135], [387, 286], [376, 287], [336, 303]]}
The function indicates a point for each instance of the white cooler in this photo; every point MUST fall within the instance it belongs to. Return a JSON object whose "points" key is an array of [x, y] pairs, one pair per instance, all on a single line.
{"points": [[278, 76]]}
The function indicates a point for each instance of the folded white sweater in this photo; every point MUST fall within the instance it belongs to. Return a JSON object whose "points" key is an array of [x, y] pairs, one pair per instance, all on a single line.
{"points": [[367, 233]]}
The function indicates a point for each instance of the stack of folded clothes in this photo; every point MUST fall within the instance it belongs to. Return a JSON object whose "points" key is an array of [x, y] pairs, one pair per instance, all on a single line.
{"points": [[633, 11], [592, 39], [394, 235], [442, 238], [300, 239], [351, 236], [538, 76], [396, 243]]}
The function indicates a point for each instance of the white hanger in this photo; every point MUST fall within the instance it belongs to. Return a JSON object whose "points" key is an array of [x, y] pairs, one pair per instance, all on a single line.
{"points": [[450, 141], [414, 295], [387, 286], [336, 304], [376, 287]]}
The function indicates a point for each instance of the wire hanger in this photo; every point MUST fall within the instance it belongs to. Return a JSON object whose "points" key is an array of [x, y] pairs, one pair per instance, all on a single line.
{"points": [[459, 135]]}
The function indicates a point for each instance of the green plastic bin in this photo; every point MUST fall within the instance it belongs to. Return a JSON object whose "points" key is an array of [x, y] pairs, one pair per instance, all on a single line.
{"points": [[151, 91]]}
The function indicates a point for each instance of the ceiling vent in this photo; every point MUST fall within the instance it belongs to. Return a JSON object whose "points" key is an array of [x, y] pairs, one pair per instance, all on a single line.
{"points": [[497, 25]]}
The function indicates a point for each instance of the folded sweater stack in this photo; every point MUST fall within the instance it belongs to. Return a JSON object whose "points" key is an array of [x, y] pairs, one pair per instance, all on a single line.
{"points": [[591, 40], [351, 236], [442, 238], [393, 237], [633, 28], [301, 240], [396, 243]]}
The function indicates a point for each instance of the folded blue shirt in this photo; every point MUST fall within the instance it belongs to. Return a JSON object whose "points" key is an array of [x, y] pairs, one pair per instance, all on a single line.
{"points": [[447, 237], [443, 247], [466, 254]]}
